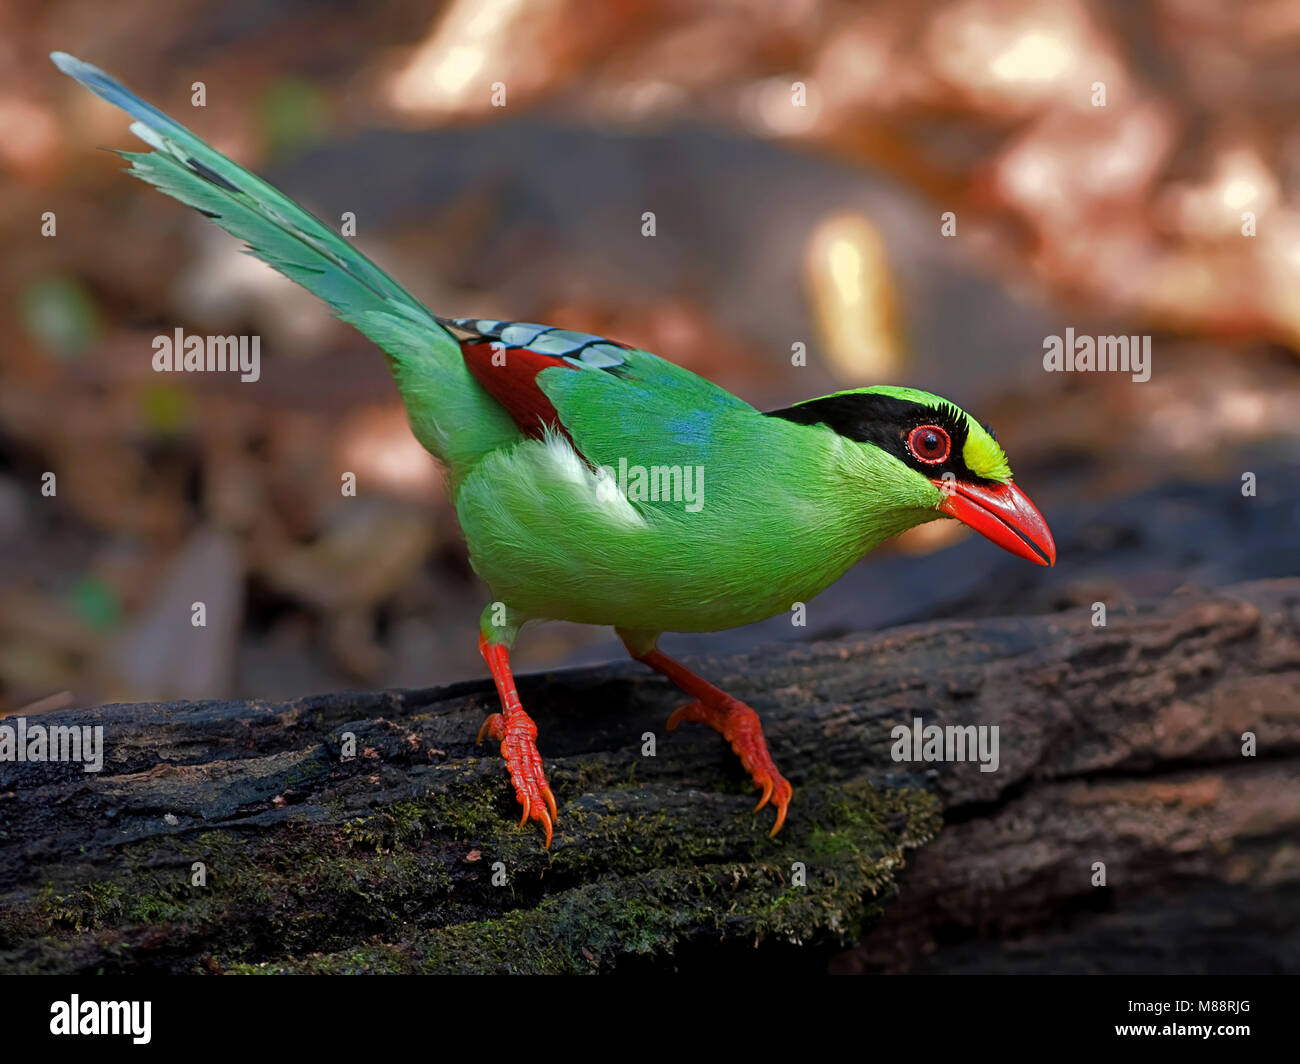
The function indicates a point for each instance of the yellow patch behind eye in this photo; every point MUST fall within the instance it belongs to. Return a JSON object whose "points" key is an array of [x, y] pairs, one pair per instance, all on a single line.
{"points": [[983, 455]]}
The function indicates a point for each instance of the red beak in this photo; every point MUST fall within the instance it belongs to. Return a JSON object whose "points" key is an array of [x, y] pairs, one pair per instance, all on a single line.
{"points": [[1003, 514]]}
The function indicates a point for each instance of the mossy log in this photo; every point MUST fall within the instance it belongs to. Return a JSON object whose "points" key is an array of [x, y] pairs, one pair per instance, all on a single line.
{"points": [[1120, 744]]}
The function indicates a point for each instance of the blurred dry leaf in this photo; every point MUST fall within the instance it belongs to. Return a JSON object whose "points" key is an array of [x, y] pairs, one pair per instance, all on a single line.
{"points": [[162, 654]]}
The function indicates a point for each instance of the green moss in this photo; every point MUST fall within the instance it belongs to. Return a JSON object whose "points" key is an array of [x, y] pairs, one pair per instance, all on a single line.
{"points": [[368, 885], [401, 825], [83, 909], [376, 959], [153, 909], [850, 861]]}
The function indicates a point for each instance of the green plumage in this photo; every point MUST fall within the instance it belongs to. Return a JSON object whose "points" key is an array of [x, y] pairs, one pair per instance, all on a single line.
{"points": [[785, 508], [450, 414]]}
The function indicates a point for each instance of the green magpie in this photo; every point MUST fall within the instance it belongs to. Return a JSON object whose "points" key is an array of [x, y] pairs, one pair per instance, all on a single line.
{"points": [[746, 514]]}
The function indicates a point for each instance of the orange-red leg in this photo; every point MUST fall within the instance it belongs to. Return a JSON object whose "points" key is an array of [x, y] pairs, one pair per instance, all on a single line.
{"points": [[734, 721], [515, 731]]}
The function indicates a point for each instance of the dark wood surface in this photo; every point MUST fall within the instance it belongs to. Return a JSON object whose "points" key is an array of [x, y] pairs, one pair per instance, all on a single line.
{"points": [[1120, 745]]}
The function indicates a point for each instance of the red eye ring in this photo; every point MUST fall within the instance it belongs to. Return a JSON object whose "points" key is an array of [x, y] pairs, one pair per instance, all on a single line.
{"points": [[929, 444]]}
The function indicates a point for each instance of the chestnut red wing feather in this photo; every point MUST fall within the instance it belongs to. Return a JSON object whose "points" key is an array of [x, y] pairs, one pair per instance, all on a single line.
{"points": [[512, 382], [506, 357]]}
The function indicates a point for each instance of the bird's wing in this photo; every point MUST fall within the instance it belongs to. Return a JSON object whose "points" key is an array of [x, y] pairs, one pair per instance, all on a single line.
{"points": [[612, 400]]}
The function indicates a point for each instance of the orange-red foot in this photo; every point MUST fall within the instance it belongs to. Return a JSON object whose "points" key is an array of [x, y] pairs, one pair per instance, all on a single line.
{"points": [[518, 739], [740, 726], [515, 731]]}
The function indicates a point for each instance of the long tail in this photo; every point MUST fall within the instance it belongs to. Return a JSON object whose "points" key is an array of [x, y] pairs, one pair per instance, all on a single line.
{"points": [[449, 412]]}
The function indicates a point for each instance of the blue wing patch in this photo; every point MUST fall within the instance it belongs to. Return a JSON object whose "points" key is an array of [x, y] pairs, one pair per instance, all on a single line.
{"points": [[579, 349]]}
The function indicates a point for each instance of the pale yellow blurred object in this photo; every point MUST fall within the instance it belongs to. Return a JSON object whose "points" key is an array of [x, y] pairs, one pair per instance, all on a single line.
{"points": [[854, 302]]}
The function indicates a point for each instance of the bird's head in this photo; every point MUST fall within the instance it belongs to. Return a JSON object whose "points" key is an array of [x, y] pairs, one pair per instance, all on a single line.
{"points": [[940, 462]]}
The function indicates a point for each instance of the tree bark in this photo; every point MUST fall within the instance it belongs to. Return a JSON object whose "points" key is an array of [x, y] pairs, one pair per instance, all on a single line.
{"points": [[1118, 746]]}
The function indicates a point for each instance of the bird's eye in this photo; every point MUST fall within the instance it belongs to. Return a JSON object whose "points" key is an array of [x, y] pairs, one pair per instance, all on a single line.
{"points": [[929, 443]]}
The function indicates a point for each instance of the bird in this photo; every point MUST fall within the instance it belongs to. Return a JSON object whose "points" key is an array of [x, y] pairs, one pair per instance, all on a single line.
{"points": [[598, 483]]}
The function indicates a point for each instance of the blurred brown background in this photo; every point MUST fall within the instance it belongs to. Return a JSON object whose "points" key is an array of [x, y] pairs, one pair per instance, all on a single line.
{"points": [[777, 224]]}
